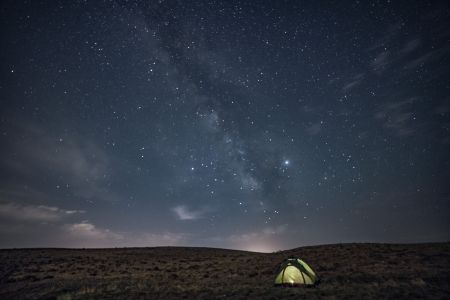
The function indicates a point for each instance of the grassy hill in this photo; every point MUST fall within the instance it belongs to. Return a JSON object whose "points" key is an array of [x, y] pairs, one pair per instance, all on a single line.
{"points": [[347, 271]]}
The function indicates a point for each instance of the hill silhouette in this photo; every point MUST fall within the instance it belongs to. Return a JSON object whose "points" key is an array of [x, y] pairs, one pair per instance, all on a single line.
{"points": [[346, 271]]}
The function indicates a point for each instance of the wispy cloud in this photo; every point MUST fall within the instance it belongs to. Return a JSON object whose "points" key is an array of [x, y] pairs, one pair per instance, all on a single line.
{"points": [[427, 57], [78, 159], [398, 49], [53, 231], [397, 117], [354, 82], [381, 61], [411, 45], [391, 33], [411, 53], [442, 109], [87, 231], [73, 162], [87, 234], [182, 212], [34, 213]]}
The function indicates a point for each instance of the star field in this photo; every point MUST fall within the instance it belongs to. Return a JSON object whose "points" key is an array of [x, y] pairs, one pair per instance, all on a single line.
{"points": [[238, 124]]}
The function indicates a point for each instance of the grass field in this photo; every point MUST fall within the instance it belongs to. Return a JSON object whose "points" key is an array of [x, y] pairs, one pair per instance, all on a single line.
{"points": [[347, 271]]}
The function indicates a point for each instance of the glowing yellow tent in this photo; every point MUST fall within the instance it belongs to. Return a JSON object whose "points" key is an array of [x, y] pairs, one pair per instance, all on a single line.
{"points": [[295, 272]]}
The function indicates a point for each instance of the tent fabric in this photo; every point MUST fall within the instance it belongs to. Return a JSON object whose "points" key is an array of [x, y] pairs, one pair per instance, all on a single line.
{"points": [[294, 272]]}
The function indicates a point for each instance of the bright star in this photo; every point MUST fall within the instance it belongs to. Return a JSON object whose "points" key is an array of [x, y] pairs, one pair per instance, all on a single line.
{"points": [[286, 162]]}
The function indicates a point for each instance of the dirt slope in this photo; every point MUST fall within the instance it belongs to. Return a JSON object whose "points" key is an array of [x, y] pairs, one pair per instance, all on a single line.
{"points": [[347, 271]]}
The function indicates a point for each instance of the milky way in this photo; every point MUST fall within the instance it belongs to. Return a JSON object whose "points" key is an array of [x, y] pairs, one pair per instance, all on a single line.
{"points": [[258, 125]]}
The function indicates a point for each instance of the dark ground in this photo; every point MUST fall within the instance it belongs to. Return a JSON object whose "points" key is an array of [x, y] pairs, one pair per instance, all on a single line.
{"points": [[347, 271]]}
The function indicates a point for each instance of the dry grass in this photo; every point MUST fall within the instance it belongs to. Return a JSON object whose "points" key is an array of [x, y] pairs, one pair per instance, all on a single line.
{"points": [[347, 271]]}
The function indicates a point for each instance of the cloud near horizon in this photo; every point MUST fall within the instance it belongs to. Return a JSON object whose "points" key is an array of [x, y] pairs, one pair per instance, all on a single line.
{"points": [[34, 213], [88, 235]]}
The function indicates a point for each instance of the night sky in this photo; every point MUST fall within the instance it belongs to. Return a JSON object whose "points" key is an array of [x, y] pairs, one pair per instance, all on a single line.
{"points": [[257, 125]]}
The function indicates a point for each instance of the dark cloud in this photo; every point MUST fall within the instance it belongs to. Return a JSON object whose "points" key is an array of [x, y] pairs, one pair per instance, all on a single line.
{"points": [[34, 213]]}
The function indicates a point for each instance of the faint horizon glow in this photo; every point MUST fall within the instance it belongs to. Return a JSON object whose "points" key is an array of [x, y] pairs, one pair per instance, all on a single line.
{"points": [[263, 248]]}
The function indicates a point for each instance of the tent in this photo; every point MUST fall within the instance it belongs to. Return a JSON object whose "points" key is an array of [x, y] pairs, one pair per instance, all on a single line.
{"points": [[295, 272]]}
